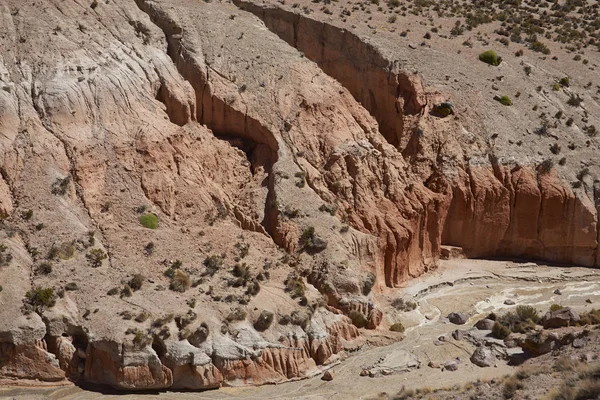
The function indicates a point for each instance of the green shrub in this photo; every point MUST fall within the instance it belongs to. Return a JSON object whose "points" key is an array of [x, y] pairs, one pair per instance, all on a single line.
{"points": [[95, 257], [149, 221], [490, 57], [505, 100], [40, 298], [213, 264], [564, 81], [397, 327], [358, 319], [539, 47], [555, 87], [141, 317], [556, 307]]}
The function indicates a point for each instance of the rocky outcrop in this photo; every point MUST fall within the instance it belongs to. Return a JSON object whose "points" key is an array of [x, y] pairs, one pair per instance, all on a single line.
{"points": [[490, 209]]}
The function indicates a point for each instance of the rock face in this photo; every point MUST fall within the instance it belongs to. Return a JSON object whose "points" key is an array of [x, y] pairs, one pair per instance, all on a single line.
{"points": [[172, 170]]}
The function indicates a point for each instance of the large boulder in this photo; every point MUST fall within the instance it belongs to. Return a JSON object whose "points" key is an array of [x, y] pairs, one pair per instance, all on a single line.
{"points": [[560, 318], [458, 318], [485, 324], [483, 357]]}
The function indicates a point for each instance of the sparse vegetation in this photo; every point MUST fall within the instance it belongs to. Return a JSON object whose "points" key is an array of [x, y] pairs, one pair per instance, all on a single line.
{"points": [[61, 185], [358, 319], [136, 282], [96, 257], [180, 282], [5, 256], [310, 242], [38, 299], [397, 327]]}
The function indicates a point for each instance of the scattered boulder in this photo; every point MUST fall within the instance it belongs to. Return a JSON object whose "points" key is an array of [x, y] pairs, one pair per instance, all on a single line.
{"points": [[560, 318], [543, 342], [451, 365], [509, 302], [433, 364], [589, 301], [558, 292], [458, 318], [458, 334], [485, 324], [483, 357], [375, 317], [579, 343], [328, 375]]}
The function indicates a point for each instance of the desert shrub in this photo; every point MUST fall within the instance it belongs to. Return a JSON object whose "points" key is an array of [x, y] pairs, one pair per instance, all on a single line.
{"points": [[126, 292], [264, 321], [149, 221], [44, 268], [505, 100], [528, 313], [564, 81], [184, 320], [243, 249], [368, 283], [113, 291], [40, 298], [142, 317], [527, 70], [241, 271], [566, 363], [237, 314], [511, 385], [136, 282], [5, 256], [71, 287], [26, 215], [591, 317], [358, 319], [490, 57], [180, 282], [539, 47], [253, 288], [403, 305], [555, 148], [500, 331], [309, 241], [397, 327], [213, 264], [157, 323], [300, 318], [546, 166], [95, 257], [148, 249], [141, 339], [294, 285], [556, 307], [284, 319], [61, 185], [574, 101], [555, 87]]}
